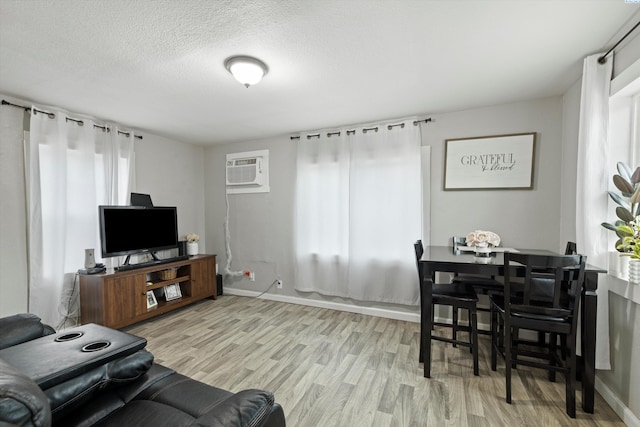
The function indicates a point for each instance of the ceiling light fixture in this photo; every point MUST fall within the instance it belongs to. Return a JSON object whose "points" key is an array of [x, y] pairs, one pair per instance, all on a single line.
{"points": [[246, 69]]}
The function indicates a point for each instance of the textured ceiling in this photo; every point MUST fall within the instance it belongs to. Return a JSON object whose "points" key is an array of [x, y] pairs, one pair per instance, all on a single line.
{"points": [[157, 65]]}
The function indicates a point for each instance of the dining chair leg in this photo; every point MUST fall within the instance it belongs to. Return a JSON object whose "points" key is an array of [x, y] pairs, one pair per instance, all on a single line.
{"points": [[420, 354], [454, 330], [563, 346], [426, 356], [422, 332], [515, 336], [500, 331], [493, 323], [426, 339], [474, 340], [553, 349], [571, 382], [507, 361]]}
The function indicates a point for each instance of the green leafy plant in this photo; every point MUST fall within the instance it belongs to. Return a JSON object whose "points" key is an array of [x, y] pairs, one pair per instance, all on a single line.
{"points": [[630, 244], [628, 201]]}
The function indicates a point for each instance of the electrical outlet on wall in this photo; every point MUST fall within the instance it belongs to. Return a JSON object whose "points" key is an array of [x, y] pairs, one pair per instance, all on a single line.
{"points": [[252, 276], [279, 284]]}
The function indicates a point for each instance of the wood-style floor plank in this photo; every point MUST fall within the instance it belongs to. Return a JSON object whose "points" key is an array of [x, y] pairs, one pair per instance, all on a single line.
{"points": [[332, 368]]}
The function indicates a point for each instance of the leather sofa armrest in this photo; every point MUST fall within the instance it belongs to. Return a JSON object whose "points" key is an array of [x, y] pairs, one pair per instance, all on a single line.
{"points": [[71, 394], [22, 403], [21, 328], [249, 408], [276, 417]]}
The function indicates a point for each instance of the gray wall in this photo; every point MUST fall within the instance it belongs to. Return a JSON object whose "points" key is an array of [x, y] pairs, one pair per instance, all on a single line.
{"points": [[510, 213], [261, 225], [623, 380], [172, 173]]}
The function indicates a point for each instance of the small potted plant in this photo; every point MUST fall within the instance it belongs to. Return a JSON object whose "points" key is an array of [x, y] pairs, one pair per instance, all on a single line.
{"points": [[630, 246], [628, 200], [192, 243]]}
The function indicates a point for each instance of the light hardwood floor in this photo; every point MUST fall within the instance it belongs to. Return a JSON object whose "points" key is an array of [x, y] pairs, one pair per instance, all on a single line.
{"points": [[332, 368]]}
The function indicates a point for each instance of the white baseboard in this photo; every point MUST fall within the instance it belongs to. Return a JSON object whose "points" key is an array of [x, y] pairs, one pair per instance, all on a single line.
{"points": [[628, 417], [371, 311], [609, 396]]}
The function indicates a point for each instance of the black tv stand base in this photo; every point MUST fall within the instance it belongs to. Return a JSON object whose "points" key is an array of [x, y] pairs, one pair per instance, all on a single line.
{"points": [[156, 261]]}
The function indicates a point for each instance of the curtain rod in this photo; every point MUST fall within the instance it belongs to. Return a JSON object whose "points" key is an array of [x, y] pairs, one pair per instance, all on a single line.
{"points": [[364, 130], [67, 119], [603, 58]]}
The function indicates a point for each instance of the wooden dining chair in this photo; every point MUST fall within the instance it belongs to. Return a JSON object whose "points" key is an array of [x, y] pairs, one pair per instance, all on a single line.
{"points": [[455, 295], [529, 309], [485, 285]]}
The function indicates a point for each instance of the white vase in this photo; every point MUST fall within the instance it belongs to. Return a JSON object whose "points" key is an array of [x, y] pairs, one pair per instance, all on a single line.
{"points": [[634, 271], [192, 248], [482, 255], [618, 265]]}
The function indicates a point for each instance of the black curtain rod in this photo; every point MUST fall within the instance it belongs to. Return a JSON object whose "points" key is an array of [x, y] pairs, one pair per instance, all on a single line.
{"points": [[603, 58], [365, 130], [67, 119]]}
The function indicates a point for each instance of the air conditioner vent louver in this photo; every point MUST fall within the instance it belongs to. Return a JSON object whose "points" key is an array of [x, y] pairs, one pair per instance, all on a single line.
{"points": [[244, 171]]}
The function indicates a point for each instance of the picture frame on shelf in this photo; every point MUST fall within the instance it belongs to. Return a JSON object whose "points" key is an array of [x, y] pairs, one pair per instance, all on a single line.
{"points": [[498, 162], [151, 300], [172, 292]]}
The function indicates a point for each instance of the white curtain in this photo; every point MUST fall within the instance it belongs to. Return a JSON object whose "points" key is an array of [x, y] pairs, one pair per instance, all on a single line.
{"points": [[13, 226], [71, 169], [358, 213], [592, 185]]}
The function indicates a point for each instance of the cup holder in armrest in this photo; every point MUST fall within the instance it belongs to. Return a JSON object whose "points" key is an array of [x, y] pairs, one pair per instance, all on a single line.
{"points": [[69, 336], [95, 346]]}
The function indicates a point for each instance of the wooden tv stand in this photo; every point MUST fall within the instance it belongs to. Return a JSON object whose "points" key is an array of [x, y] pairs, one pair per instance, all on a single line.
{"points": [[120, 299]]}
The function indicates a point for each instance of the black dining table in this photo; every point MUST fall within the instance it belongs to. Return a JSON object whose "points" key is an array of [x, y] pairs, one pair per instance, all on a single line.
{"points": [[445, 259]]}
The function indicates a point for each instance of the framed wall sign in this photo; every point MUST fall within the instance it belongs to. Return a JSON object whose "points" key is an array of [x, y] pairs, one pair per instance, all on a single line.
{"points": [[490, 162]]}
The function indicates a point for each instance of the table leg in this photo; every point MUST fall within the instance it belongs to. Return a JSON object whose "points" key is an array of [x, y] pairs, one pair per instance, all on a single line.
{"points": [[426, 318], [588, 338]]}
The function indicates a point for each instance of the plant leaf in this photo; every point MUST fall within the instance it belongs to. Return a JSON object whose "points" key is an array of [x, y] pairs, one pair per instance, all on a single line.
{"points": [[622, 184], [609, 226], [635, 178], [619, 200], [626, 231], [624, 170], [624, 214], [636, 196]]}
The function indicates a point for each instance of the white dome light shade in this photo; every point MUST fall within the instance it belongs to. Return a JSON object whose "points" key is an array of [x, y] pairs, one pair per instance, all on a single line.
{"points": [[246, 69]]}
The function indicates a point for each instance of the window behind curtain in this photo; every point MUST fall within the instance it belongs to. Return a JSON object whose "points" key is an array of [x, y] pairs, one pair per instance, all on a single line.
{"points": [[71, 170], [358, 212]]}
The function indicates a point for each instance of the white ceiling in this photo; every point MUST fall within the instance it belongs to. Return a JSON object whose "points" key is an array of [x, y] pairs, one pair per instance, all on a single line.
{"points": [[157, 65]]}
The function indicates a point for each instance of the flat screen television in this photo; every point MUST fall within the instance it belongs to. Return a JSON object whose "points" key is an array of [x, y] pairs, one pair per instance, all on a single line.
{"points": [[127, 230]]}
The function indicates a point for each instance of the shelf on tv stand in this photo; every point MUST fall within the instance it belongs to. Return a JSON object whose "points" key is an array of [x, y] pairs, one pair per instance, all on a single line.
{"points": [[119, 299]]}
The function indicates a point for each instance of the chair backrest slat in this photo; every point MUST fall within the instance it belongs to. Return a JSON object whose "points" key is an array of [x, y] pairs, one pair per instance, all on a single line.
{"points": [[550, 281], [419, 249]]}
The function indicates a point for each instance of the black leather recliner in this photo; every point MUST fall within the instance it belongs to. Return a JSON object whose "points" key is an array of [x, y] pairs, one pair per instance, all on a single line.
{"points": [[131, 391]]}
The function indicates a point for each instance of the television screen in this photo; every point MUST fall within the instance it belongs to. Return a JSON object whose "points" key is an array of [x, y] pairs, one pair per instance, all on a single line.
{"points": [[126, 230]]}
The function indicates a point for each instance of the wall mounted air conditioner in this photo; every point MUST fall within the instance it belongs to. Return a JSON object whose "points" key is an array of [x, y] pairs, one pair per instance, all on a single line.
{"points": [[245, 171]]}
